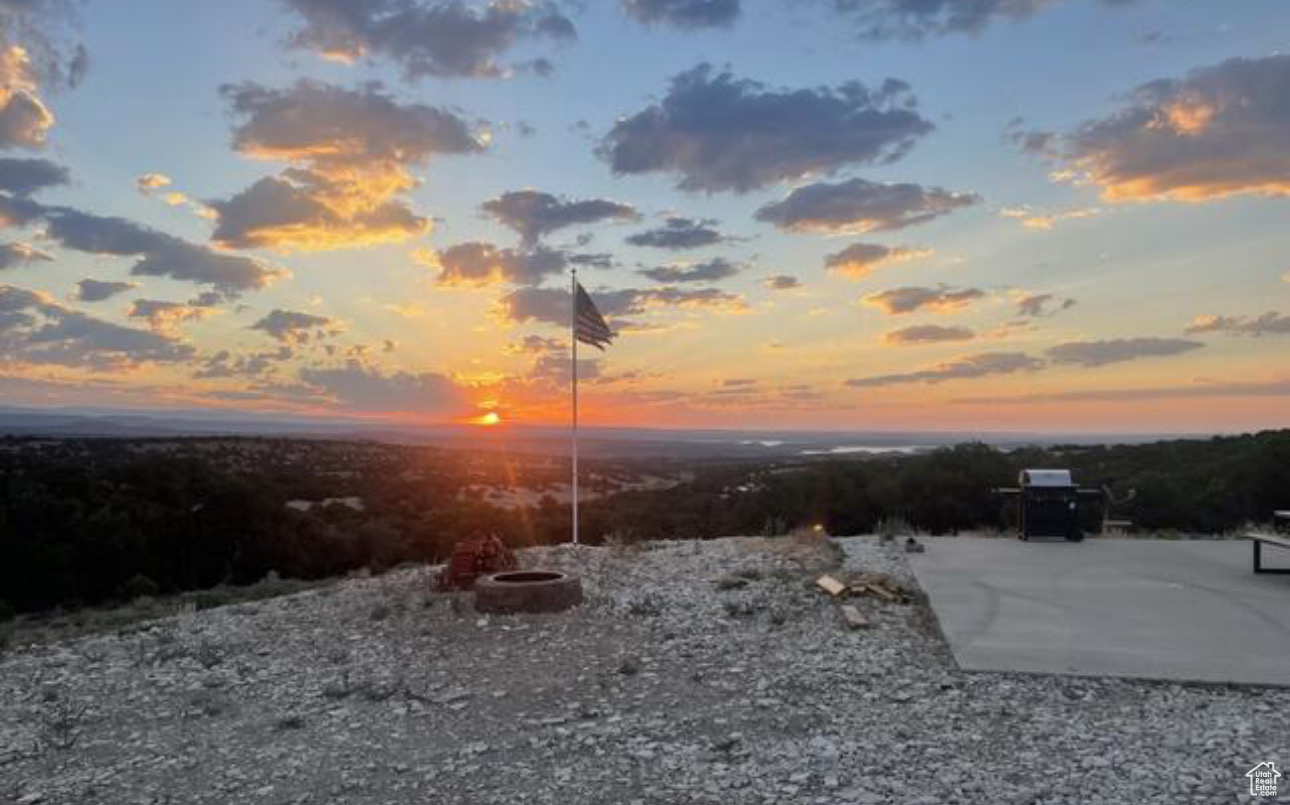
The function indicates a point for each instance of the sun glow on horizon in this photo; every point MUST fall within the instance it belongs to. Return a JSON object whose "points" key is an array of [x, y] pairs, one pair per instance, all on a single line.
{"points": [[487, 420]]}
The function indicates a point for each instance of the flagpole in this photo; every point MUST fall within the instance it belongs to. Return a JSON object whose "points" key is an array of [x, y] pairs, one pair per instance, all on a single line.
{"points": [[573, 337]]}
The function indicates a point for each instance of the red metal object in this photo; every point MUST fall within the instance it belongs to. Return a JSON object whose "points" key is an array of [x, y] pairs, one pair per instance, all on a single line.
{"points": [[474, 557]]}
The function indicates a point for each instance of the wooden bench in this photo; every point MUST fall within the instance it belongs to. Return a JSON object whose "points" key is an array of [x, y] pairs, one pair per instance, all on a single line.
{"points": [[1259, 540]]}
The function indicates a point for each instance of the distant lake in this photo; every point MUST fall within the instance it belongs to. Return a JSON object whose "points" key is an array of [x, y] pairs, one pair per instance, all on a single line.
{"points": [[867, 449]]}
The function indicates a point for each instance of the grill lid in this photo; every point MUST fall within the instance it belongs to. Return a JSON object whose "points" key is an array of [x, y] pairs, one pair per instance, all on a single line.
{"points": [[1046, 478]]}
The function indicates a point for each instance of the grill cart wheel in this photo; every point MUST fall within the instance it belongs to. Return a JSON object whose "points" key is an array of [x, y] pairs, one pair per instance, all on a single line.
{"points": [[527, 591]]}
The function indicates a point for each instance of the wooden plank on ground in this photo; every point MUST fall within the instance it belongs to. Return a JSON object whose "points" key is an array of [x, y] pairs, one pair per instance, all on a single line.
{"points": [[854, 618], [881, 592], [831, 585]]}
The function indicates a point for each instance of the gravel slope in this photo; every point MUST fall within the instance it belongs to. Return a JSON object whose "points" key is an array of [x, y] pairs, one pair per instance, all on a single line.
{"points": [[697, 672]]}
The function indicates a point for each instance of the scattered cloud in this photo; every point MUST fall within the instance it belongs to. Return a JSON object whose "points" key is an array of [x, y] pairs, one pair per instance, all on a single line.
{"points": [[861, 259], [534, 345], [1270, 323], [155, 184], [167, 316], [18, 254], [551, 305], [782, 282], [37, 331], [254, 364], [25, 121], [149, 183], [693, 298], [1029, 141], [23, 177], [969, 366], [19, 211], [357, 386], [680, 233], [436, 38], [44, 26], [554, 369], [684, 14], [928, 334], [1039, 305], [941, 299], [715, 132], [41, 58], [1222, 130], [92, 290], [919, 19], [534, 214], [718, 268], [480, 264], [1271, 388], [1117, 350], [410, 310], [1008, 329], [350, 153], [160, 255], [293, 327], [1034, 220], [591, 259], [857, 205]]}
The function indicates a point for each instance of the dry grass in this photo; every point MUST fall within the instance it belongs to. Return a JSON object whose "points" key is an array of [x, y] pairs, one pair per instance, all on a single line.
{"points": [[812, 551], [61, 625]]}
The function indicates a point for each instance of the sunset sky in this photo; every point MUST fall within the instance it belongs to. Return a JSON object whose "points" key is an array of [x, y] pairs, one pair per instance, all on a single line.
{"points": [[1064, 215]]}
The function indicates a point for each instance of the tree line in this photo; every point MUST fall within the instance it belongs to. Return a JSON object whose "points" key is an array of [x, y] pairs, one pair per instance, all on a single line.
{"points": [[1193, 486], [84, 522]]}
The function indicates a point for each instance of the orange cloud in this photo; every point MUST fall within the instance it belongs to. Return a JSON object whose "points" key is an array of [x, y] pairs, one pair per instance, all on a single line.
{"points": [[25, 121], [149, 182], [1033, 220], [861, 259], [1186, 115], [1219, 131], [941, 299], [165, 317], [351, 152]]}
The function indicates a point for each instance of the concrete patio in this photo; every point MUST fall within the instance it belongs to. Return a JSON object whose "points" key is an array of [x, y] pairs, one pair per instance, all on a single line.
{"points": [[1156, 609]]}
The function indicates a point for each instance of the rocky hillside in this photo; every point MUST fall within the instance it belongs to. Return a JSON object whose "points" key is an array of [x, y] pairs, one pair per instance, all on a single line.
{"points": [[697, 672]]}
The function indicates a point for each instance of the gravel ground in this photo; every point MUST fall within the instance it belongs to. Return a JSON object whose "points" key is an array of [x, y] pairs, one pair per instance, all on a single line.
{"points": [[697, 672]]}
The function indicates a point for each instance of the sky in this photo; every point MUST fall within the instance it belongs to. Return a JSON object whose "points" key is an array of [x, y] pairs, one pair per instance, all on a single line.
{"points": [[993, 215]]}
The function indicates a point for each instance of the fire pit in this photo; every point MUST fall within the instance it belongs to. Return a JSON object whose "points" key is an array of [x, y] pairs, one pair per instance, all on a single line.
{"points": [[527, 591]]}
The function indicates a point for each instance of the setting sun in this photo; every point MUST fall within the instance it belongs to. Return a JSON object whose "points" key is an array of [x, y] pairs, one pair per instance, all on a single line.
{"points": [[488, 419]]}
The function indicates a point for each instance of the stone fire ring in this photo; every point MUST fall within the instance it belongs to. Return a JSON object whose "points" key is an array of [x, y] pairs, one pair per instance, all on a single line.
{"points": [[527, 591]]}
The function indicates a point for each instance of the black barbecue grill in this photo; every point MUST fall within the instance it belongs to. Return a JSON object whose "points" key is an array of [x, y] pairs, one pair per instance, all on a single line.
{"points": [[1048, 504]]}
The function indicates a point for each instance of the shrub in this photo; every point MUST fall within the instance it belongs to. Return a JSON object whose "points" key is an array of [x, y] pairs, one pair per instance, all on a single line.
{"points": [[209, 599], [289, 722], [61, 721], [139, 586], [893, 526]]}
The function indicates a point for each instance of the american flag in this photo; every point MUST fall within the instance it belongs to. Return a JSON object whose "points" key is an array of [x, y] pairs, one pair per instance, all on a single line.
{"points": [[589, 326]]}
